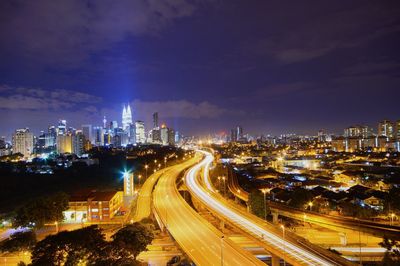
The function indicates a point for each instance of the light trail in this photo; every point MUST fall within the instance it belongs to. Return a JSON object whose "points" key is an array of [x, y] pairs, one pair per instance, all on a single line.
{"points": [[284, 247]]}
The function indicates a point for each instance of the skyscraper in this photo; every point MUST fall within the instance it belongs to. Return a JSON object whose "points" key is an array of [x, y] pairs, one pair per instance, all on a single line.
{"points": [[22, 141], [87, 131], [155, 120], [126, 117], [62, 127], [140, 132], [386, 128], [64, 144], [98, 136]]}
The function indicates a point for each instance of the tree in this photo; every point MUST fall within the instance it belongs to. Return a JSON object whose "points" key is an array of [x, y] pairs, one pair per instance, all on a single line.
{"points": [[19, 241], [71, 247], [256, 203], [392, 255], [42, 210], [133, 238], [300, 197]]}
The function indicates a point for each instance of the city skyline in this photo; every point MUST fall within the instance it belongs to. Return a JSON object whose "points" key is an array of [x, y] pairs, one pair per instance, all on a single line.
{"points": [[273, 71]]}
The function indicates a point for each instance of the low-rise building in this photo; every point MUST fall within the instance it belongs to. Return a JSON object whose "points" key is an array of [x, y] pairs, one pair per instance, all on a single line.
{"points": [[93, 206]]}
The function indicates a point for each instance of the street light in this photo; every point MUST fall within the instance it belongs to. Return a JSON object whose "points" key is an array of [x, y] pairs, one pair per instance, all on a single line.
{"points": [[146, 167], [283, 243], [222, 250], [264, 191], [392, 215], [56, 224], [165, 162], [310, 204], [139, 176], [223, 178]]}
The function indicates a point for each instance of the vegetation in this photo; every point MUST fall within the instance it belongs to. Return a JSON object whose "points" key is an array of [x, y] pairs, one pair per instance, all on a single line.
{"points": [[300, 197], [42, 210], [88, 246], [133, 238], [19, 241], [392, 255], [256, 203], [355, 210]]}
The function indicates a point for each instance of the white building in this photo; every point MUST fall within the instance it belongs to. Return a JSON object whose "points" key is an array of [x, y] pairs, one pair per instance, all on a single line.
{"points": [[140, 132], [126, 117], [22, 141]]}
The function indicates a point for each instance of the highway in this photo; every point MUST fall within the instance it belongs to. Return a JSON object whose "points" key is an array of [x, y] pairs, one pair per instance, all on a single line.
{"points": [[290, 252], [202, 242], [329, 221], [143, 206]]}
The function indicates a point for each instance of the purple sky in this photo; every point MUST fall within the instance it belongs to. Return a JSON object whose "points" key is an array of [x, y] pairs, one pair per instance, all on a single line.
{"points": [[271, 66]]}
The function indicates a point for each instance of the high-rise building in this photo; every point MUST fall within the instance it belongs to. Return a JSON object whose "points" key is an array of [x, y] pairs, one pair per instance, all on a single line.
{"points": [[171, 137], [397, 133], [234, 136], [140, 132], [155, 120], [87, 131], [64, 144], [113, 125], [129, 186], [164, 135], [239, 133], [62, 127], [386, 129], [78, 143], [132, 134], [98, 133], [357, 131], [22, 141], [126, 117], [156, 135], [104, 122]]}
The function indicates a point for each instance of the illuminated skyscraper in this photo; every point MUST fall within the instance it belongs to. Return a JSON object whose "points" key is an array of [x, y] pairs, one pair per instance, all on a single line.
{"points": [[22, 141], [155, 120], [140, 132], [87, 131], [386, 128], [126, 117], [62, 127], [64, 144]]}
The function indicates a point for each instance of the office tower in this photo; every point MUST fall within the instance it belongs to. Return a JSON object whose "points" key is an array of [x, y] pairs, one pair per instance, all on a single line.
{"points": [[386, 129], [234, 136], [358, 131], [87, 131], [155, 120], [22, 141], [113, 125], [132, 133], [104, 122], [156, 135], [397, 133], [126, 117], [62, 127], [171, 137], [140, 132], [78, 143], [98, 133], [177, 137], [164, 135], [239, 133], [64, 144]]}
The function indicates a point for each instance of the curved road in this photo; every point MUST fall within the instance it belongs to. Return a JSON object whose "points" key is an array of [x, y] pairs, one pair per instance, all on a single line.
{"points": [[202, 242], [280, 246]]}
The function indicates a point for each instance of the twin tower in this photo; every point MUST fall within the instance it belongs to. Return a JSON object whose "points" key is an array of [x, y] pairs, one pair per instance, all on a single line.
{"points": [[126, 117]]}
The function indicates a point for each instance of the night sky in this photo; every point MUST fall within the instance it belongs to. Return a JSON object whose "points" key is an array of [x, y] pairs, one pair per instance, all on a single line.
{"points": [[271, 66]]}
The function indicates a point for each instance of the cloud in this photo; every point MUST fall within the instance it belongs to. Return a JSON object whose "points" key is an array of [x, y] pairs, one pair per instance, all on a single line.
{"points": [[37, 98], [350, 26], [68, 32]]}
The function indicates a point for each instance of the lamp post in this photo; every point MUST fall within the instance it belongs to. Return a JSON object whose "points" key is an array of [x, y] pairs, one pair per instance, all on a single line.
{"points": [[284, 247], [264, 191], [56, 224], [165, 162], [222, 250], [139, 176], [146, 167], [223, 179], [392, 215], [310, 204]]}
